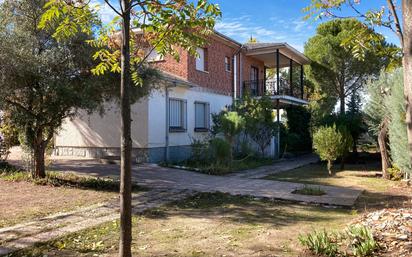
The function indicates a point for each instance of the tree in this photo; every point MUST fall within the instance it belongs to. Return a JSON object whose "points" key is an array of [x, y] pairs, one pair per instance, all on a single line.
{"points": [[376, 116], [163, 26], [397, 19], [298, 128], [330, 144], [334, 69], [231, 125], [259, 120], [42, 81]]}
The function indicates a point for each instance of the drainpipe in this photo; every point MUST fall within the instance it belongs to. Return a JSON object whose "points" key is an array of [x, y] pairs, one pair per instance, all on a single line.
{"points": [[235, 73], [167, 121]]}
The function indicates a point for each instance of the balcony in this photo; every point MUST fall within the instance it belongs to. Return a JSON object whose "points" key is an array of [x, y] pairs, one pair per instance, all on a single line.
{"points": [[258, 88]]}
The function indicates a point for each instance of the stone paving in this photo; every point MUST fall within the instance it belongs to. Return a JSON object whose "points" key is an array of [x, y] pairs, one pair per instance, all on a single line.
{"points": [[154, 176], [27, 234], [283, 165], [166, 185]]}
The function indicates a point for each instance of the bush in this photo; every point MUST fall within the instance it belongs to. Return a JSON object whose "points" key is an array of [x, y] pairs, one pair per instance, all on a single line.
{"points": [[330, 144], [298, 128], [361, 241], [220, 150], [321, 243], [354, 241], [395, 173]]}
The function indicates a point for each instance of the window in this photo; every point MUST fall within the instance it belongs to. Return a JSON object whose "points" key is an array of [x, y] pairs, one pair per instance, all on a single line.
{"points": [[227, 64], [202, 116], [177, 115], [153, 56], [201, 64]]}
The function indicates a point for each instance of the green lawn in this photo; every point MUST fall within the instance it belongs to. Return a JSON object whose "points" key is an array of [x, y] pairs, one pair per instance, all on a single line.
{"points": [[359, 176], [206, 225]]}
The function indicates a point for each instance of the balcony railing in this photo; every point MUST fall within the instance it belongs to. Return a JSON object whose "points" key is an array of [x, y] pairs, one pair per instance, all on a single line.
{"points": [[269, 87]]}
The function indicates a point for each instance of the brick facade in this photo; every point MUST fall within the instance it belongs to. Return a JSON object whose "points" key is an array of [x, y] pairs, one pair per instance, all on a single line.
{"points": [[215, 78]]}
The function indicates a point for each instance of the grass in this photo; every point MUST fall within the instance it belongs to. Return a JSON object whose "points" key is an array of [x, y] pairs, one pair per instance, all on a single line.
{"points": [[360, 176], [309, 190], [57, 179], [223, 169], [233, 225], [24, 198]]}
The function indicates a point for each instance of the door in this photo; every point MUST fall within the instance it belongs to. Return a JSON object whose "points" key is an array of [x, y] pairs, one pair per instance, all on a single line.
{"points": [[254, 80]]}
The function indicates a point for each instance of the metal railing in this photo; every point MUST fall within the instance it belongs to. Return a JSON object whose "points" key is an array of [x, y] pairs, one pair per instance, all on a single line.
{"points": [[269, 87]]}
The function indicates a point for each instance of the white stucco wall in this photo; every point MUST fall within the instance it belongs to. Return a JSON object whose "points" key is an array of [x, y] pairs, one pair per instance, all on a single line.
{"points": [[97, 130], [157, 114]]}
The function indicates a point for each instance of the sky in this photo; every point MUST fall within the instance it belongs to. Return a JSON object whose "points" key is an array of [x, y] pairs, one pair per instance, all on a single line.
{"points": [[270, 20]]}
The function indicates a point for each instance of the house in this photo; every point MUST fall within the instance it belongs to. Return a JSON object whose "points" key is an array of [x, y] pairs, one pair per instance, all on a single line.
{"points": [[165, 123]]}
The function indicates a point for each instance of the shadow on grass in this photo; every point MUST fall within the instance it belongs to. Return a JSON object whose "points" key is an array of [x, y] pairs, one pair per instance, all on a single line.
{"points": [[245, 210]]}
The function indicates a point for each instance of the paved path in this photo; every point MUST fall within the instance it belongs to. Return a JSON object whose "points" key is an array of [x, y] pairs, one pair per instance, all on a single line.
{"points": [[283, 165], [58, 225], [154, 176]]}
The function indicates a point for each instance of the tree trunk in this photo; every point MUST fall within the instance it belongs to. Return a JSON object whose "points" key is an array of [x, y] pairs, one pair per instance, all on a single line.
{"points": [[382, 138], [342, 163], [342, 100], [38, 152], [407, 69], [329, 165], [126, 142]]}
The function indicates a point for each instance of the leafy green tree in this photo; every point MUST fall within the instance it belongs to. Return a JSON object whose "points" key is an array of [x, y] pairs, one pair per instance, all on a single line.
{"points": [[259, 120], [161, 26], [397, 126], [42, 81], [396, 16], [334, 69], [298, 128], [232, 124], [329, 144], [376, 116]]}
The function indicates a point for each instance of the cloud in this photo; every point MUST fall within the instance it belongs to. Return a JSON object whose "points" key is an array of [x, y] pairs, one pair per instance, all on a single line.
{"points": [[105, 12]]}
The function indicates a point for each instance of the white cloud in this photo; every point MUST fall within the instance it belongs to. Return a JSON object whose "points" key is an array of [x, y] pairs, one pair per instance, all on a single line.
{"points": [[105, 12]]}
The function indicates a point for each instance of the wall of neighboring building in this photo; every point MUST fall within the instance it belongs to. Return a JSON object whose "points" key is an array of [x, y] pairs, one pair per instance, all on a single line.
{"points": [[96, 135], [179, 142]]}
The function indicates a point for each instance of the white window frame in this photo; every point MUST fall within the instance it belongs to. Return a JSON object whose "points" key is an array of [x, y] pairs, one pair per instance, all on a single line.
{"points": [[201, 59], [182, 116], [153, 55], [228, 64], [206, 117]]}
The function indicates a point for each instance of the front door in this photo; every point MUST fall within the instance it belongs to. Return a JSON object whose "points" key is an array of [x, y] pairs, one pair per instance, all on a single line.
{"points": [[254, 80]]}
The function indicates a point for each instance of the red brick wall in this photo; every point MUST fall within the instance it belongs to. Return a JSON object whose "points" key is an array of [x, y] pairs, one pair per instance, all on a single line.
{"points": [[216, 77], [170, 65]]}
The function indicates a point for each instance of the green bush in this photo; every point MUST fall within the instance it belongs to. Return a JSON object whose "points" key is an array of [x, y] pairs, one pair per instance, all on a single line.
{"points": [[329, 144], [361, 241], [395, 173], [298, 128], [321, 243], [354, 241], [220, 150]]}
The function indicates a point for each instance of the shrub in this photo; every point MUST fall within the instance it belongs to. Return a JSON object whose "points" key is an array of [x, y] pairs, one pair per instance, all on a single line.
{"points": [[361, 241], [395, 173], [199, 151], [320, 242], [329, 144], [309, 190], [220, 150], [298, 126]]}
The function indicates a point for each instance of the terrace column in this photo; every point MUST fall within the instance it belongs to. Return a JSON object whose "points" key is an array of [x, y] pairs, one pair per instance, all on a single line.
{"points": [[277, 71], [277, 103], [291, 76], [301, 81]]}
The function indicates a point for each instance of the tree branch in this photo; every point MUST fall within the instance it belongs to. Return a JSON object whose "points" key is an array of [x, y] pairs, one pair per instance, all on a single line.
{"points": [[396, 20]]}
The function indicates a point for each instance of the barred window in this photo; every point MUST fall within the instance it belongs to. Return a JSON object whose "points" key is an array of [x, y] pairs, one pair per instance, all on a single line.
{"points": [[202, 116], [177, 115]]}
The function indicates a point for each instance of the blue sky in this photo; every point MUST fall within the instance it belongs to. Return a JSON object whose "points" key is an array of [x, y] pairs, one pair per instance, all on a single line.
{"points": [[270, 20], [276, 20]]}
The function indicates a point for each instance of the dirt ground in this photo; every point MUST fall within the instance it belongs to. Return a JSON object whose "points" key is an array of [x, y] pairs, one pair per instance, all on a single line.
{"points": [[22, 201]]}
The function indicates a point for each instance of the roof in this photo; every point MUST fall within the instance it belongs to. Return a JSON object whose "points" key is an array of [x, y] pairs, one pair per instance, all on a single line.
{"points": [[285, 49]]}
